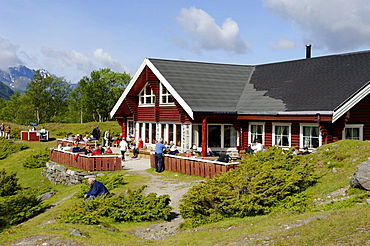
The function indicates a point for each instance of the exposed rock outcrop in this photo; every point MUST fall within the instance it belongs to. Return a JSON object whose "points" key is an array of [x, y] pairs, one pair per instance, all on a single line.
{"points": [[59, 174], [361, 178]]}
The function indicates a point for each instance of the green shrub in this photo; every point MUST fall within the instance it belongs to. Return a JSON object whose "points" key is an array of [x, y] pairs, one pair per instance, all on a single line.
{"points": [[8, 184], [86, 212], [8, 147], [37, 159], [19, 207], [17, 204], [260, 183], [132, 207]]}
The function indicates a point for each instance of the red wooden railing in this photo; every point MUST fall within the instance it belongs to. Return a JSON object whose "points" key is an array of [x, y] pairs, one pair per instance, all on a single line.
{"points": [[87, 163], [194, 166]]}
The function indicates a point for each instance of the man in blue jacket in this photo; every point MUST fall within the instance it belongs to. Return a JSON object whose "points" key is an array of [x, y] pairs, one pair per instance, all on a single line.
{"points": [[96, 189], [158, 157]]}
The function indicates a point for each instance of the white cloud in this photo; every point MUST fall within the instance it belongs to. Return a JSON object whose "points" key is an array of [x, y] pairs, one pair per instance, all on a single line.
{"points": [[337, 25], [206, 34], [109, 62], [283, 44], [68, 59], [8, 54]]}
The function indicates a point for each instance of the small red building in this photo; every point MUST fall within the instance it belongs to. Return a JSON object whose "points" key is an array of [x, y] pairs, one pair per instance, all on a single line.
{"points": [[224, 107]]}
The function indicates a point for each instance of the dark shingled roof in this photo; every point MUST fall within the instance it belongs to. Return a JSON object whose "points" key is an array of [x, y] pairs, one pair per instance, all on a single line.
{"points": [[313, 84], [206, 87]]}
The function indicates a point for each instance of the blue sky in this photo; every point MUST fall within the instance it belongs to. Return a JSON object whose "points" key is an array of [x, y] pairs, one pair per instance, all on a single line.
{"points": [[71, 38]]}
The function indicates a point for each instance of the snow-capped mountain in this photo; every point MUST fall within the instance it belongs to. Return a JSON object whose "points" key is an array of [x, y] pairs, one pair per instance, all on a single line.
{"points": [[17, 78]]}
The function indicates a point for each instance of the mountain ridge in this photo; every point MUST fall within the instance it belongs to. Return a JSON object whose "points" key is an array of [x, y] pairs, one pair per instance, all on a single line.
{"points": [[16, 78]]}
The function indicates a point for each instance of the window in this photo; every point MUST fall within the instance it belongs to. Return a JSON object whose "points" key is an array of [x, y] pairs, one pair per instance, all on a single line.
{"points": [[197, 135], [230, 136], [222, 136], [281, 134], [130, 128], [178, 135], [171, 136], [146, 96], [256, 131], [153, 128], [166, 97], [214, 136], [310, 136], [353, 132]]}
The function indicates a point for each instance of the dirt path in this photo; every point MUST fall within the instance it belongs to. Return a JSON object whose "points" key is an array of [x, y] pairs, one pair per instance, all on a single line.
{"points": [[158, 184], [161, 186]]}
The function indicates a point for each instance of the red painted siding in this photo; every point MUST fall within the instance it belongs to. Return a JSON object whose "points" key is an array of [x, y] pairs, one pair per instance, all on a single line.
{"points": [[360, 114]]}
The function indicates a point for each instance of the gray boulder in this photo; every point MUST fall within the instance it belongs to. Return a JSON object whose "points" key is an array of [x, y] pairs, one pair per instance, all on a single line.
{"points": [[46, 195], [361, 179]]}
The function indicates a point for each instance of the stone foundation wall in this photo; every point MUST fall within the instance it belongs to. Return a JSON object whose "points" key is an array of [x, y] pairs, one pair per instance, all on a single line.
{"points": [[59, 174]]}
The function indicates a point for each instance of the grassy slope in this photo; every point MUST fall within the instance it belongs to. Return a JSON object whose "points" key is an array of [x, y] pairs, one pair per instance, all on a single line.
{"points": [[334, 226]]}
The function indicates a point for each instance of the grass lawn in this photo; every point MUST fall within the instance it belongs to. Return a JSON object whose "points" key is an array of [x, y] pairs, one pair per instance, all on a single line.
{"points": [[335, 223]]}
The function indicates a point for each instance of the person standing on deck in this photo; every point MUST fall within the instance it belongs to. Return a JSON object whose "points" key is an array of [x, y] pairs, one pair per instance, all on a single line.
{"points": [[158, 157], [96, 133]]}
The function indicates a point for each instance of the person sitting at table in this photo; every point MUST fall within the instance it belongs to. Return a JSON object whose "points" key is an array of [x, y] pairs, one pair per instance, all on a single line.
{"points": [[173, 150], [43, 131], [88, 150], [210, 152], [77, 139], [97, 151], [108, 151], [101, 148], [68, 147], [60, 146], [195, 149], [224, 158], [190, 154], [86, 138], [76, 148]]}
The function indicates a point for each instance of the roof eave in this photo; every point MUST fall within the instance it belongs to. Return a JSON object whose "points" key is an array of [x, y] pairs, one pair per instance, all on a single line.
{"points": [[285, 112], [169, 87], [128, 88], [351, 102]]}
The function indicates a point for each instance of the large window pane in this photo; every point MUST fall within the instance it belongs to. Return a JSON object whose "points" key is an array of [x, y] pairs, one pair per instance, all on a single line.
{"points": [[153, 133], [311, 136], [197, 135], [147, 133], [256, 133], [170, 133], [178, 135], [163, 132], [230, 136], [352, 133], [282, 136], [214, 136]]}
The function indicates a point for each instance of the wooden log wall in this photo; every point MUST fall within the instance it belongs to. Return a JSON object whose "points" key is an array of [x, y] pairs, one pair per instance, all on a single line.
{"points": [[194, 166], [87, 163]]}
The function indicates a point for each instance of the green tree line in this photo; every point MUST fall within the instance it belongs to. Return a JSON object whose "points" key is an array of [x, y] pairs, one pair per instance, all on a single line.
{"points": [[51, 99]]}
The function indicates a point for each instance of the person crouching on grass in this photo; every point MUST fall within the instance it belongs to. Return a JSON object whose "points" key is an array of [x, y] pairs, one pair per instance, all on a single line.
{"points": [[96, 189]]}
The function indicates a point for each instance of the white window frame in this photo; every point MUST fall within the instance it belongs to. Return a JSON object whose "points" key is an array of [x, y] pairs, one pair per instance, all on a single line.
{"points": [[289, 125], [222, 135], [143, 95], [250, 132], [301, 134], [359, 126], [167, 95]]}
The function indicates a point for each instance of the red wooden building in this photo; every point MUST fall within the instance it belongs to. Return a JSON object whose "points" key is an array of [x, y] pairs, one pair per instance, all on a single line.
{"points": [[307, 102]]}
